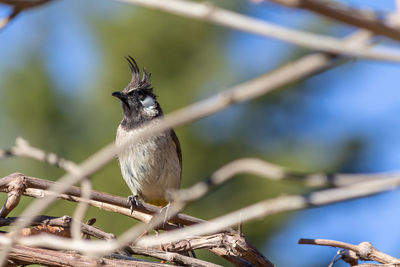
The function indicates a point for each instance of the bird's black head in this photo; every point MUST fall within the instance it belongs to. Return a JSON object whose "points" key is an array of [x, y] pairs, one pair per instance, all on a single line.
{"points": [[138, 100]]}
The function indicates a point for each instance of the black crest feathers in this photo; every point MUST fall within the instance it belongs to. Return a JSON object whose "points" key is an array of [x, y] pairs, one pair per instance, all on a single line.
{"points": [[137, 82]]}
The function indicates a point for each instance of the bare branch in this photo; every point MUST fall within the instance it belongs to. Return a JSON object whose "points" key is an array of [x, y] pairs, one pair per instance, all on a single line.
{"points": [[22, 148], [15, 189], [216, 15], [172, 257], [365, 251], [272, 206], [271, 171], [360, 18], [23, 255]]}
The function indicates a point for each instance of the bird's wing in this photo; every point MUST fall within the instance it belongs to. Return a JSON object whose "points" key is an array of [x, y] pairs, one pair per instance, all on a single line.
{"points": [[178, 147]]}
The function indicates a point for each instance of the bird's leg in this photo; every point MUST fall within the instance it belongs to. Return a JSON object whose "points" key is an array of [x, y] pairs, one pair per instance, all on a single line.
{"points": [[133, 201], [166, 210]]}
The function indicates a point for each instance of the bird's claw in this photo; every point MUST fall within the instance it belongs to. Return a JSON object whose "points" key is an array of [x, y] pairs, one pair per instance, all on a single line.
{"points": [[133, 201]]}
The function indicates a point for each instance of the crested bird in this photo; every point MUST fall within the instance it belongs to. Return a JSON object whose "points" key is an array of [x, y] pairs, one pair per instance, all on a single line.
{"points": [[151, 166]]}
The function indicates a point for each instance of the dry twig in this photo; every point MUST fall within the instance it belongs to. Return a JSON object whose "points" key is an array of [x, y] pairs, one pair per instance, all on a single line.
{"points": [[364, 251], [22, 255]]}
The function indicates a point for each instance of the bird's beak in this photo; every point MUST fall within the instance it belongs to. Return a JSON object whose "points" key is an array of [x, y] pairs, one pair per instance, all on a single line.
{"points": [[119, 95], [122, 96]]}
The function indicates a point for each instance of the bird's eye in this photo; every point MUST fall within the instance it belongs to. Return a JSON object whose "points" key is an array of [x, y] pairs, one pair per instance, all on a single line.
{"points": [[148, 102]]}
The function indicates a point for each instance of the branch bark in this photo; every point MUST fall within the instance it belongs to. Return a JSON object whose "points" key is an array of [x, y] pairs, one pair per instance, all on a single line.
{"points": [[23, 255]]}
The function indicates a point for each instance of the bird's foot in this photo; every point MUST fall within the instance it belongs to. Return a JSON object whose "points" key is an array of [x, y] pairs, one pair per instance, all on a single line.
{"points": [[133, 201]]}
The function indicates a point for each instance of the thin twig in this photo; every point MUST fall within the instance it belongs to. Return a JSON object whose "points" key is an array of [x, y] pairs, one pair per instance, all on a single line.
{"points": [[210, 13], [365, 250], [23, 148]]}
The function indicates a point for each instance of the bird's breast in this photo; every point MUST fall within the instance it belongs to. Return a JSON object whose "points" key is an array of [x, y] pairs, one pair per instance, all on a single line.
{"points": [[150, 166]]}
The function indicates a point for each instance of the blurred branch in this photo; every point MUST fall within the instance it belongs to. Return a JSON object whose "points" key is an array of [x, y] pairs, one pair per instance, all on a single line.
{"points": [[81, 208], [271, 171], [24, 4], [22, 148], [210, 13], [240, 250], [364, 251], [17, 7], [366, 19], [277, 205]]}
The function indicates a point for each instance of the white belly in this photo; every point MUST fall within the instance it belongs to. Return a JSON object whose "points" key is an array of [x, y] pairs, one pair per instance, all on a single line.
{"points": [[150, 167]]}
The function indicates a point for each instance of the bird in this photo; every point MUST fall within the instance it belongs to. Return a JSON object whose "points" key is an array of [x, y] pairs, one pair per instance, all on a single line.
{"points": [[151, 166]]}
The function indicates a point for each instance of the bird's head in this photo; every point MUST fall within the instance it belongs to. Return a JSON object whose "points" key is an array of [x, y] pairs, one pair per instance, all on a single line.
{"points": [[138, 100]]}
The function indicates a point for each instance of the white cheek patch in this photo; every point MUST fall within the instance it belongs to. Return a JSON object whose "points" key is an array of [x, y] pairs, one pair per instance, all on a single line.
{"points": [[149, 104]]}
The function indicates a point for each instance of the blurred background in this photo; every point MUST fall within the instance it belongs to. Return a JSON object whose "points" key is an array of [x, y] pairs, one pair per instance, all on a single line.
{"points": [[59, 64]]}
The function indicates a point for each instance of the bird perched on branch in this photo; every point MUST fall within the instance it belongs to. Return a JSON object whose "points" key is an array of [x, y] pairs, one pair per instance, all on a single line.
{"points": [[151, 166]]}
